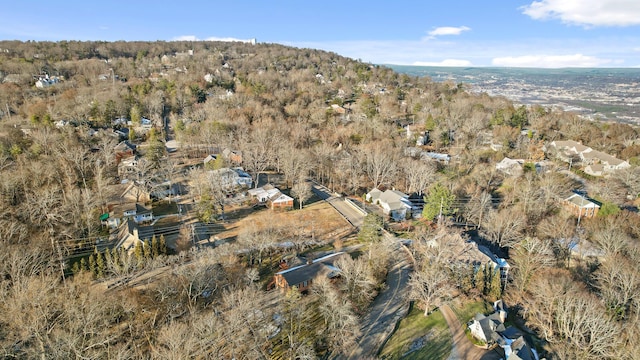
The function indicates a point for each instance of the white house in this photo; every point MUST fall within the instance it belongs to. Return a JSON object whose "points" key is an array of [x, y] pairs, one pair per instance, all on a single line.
{"points": [[594, 169], [510, 166], [264, 193], [394, 203], [138, 213]]}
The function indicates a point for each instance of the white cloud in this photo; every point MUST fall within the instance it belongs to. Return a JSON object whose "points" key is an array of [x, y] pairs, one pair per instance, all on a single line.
{"points": [[211, 38], [185, 38], [586, 12], [550, 61], [446, 30], [446, 62]]}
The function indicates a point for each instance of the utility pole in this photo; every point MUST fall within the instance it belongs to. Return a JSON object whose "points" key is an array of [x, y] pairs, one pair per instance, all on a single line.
{"points": [[8, 111], [440, 215]]}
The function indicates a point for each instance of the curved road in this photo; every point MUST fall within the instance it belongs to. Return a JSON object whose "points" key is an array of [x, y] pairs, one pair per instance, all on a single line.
{"points": [[385, 311]]}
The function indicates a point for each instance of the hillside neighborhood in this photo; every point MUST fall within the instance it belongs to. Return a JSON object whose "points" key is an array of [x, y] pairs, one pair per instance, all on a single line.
{"points": [[256, 201]]}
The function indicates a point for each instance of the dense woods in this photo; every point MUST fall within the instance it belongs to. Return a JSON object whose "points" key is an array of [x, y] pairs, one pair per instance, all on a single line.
{"points": [[303, 114]]}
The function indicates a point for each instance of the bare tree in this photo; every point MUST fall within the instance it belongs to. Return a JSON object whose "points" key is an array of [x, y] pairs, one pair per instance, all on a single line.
{"points": [[340, 322], [419, 175], [572, 320], [380, 164], [302, 190], [478, 207], [503, 227], [429, 285], [618, 280], [357, 280], [529, 257]]}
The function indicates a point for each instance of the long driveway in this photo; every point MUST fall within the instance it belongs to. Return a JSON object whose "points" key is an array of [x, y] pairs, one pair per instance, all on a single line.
{"points": [[348, 211]]}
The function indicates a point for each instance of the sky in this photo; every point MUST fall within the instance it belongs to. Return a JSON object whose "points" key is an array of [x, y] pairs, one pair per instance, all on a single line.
{"points": [[511, 33]]}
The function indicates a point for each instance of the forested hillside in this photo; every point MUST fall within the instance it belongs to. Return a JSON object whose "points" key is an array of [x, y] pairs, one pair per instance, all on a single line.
{"points": [[296, 115]]}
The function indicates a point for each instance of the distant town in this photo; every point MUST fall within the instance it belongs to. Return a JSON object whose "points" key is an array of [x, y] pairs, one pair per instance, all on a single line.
{"points": [[605, 94]]}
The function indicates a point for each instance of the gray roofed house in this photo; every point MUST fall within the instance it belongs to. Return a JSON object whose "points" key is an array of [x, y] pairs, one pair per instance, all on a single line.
{"points": [[130, 233], [486, 328], [302, 276]]}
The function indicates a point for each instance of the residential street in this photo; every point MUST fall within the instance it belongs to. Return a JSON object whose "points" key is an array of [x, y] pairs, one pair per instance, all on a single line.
{"points": [[388, 307]]}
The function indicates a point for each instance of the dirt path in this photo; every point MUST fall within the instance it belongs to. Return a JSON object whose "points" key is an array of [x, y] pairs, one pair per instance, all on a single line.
{"points": [[462, 348]]}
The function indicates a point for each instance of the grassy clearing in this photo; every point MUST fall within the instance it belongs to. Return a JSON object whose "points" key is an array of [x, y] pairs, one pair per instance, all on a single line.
{"points": [[467, 310], [165, 208], [431, 331]]}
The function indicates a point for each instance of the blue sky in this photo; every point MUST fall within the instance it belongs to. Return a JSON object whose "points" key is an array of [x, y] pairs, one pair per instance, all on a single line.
{"points": [[531, 33]]}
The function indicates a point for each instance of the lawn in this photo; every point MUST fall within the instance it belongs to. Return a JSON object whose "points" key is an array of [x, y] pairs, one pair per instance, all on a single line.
{"points": [[419, 337], [161, 208], [467, 310]]}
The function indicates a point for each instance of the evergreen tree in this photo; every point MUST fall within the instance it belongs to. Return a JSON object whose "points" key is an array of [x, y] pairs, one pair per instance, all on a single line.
{"points": [[480, 279], [83, 264], [370, 230], [93, 268], [466, 278], [135, 115], [146, 247], [162, 245], [439, 201], [495, 285], [430, 123], [75, 269], [124, 256], [100, 265], [155, 247], [138, 251], [107, 257], [115, 259]]}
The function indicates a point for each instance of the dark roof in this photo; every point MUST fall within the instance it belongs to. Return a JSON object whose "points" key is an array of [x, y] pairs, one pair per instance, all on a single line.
{"points": [[125, 146], [144, 232], [306, 272], [141, 209], [512, 333], [521, 350]]}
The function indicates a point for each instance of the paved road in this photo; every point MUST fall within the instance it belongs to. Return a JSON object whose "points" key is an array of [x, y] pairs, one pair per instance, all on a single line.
{"points": [[348, 211], [385, 311], [462, 348]]}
